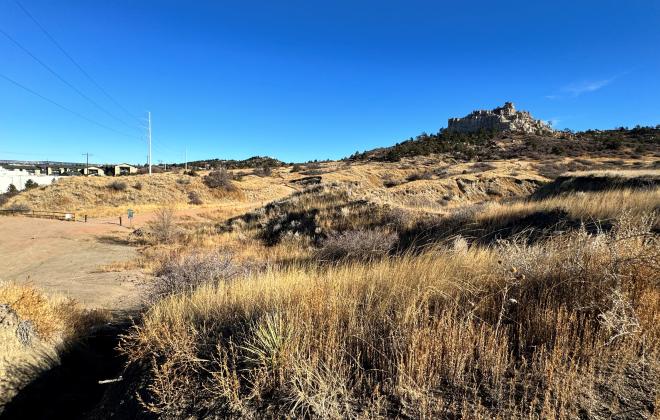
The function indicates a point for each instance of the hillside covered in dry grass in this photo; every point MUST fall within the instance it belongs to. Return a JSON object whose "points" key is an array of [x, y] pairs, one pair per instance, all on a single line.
{"points": [[340, 302], [428, 286]]}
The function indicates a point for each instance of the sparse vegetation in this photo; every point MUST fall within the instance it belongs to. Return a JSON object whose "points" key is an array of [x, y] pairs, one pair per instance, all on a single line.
{"points": [[493, 146]]}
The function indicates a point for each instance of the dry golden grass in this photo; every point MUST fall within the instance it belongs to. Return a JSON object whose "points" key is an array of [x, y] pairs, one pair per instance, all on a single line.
{"points": [[53, 322], [95, 196], [586, 206], [500, 332]]}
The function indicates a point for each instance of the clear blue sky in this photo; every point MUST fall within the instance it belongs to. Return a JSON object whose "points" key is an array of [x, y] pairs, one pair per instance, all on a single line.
{"points": [[307, 79]]}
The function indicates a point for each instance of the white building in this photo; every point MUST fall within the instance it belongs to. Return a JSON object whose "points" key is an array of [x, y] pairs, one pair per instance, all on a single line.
{"points": [[19, 177]]}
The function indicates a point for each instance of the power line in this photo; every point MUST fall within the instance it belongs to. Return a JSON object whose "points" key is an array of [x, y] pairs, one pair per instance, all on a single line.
{"points": [[54, 73], [75, 63], [79, 115]]}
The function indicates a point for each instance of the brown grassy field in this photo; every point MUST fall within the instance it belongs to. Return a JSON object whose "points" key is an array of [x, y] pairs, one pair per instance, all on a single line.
{"points": [[558, 325], [98, 196], [511, 331], [415, 289]]}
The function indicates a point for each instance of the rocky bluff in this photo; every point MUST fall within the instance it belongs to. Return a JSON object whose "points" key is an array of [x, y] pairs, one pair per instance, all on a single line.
{"points": [[504, 118]]}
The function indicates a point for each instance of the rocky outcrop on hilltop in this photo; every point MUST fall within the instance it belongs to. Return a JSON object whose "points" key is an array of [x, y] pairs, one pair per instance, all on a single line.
{"points": [[504, 118]]}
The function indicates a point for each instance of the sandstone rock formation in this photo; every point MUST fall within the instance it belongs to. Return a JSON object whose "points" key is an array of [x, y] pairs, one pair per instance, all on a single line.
{"points": [[504, 118]]}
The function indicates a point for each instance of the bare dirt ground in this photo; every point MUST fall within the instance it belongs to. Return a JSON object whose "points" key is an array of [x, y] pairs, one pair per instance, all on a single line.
{"points": [[68, 258], [65, 257]]}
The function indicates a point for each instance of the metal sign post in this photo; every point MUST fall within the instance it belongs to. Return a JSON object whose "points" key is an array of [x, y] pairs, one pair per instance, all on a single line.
{"points": [[130, 217]]}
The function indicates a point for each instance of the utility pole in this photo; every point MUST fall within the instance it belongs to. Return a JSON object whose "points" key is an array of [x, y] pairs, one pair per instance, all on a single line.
{"points": [[186, 158], [149, 137], [87, 167]]}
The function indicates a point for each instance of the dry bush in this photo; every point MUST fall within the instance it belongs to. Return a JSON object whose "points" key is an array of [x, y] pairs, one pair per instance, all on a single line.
{"points": [[220, 179], [361, 245], [183, 274], [563, 328], [163, 227], [419, 176], [118, 186], [263, 171], [194, 198]]}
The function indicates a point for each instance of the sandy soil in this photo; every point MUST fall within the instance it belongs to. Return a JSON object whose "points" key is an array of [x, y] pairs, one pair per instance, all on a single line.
{"points": [[65, 257]]}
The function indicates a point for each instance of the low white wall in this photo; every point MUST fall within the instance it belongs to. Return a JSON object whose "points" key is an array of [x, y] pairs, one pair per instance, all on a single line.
{"points": [[19, 177]]}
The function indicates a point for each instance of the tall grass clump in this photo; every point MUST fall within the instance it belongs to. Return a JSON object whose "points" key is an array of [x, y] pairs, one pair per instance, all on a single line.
{"points": [[162, 228], [362, 245], [562, 328]]}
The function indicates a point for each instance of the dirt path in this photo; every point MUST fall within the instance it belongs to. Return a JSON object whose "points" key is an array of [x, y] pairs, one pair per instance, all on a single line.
{"points": [[65, 257]]}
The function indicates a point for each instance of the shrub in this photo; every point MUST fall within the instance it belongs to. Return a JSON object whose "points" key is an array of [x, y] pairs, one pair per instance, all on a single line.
{"points": [[419, 175], [296, 167], [30, 184], [263, 171], [12, 190], [138, 186], [389, 183], [312, 172], [163, 228], [357, 245], [194, 198], [117, 186], [185, 274], [220, 179]]}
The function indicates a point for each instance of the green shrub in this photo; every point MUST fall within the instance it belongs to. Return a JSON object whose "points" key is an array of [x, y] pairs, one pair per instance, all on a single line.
{"points": [[30, 184]]}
